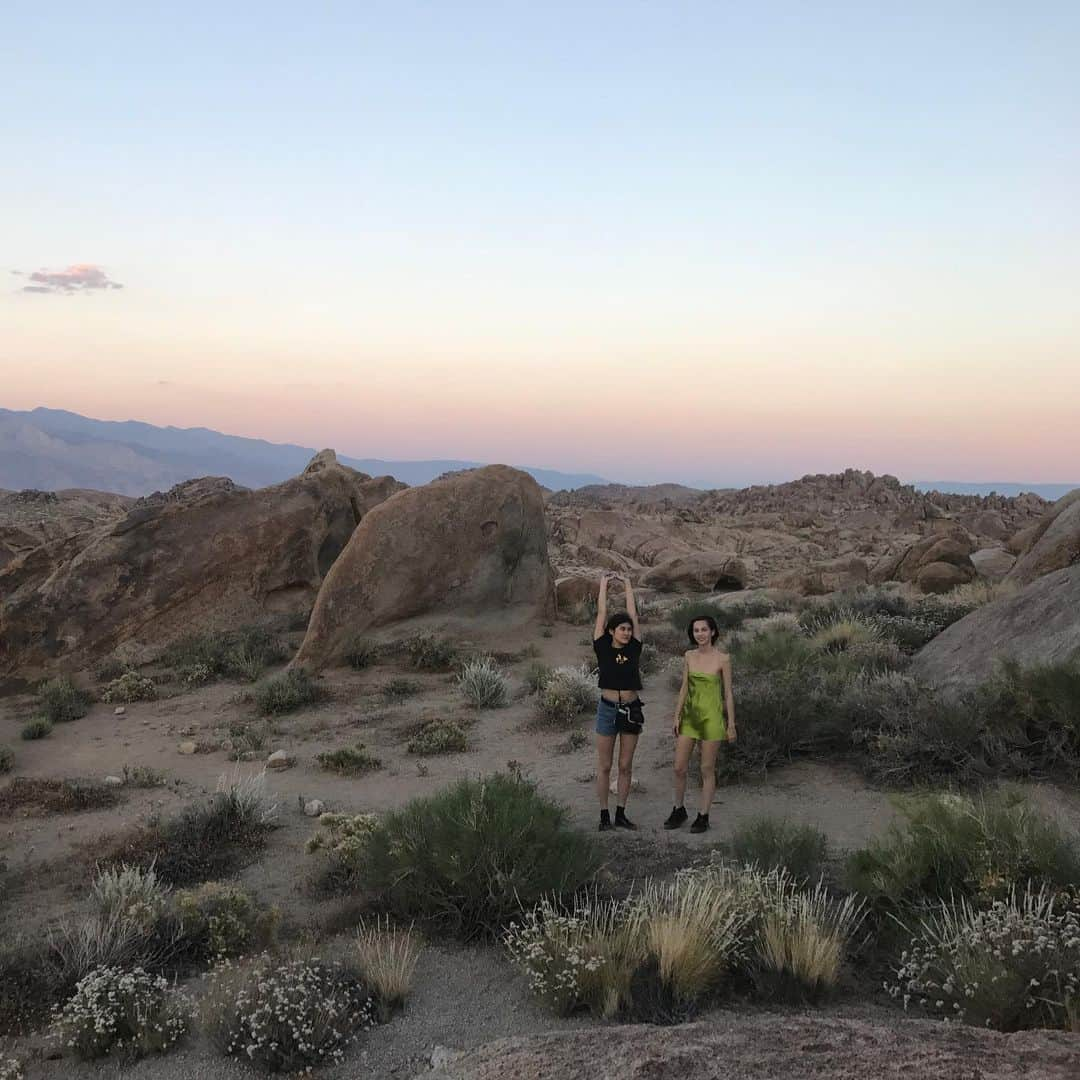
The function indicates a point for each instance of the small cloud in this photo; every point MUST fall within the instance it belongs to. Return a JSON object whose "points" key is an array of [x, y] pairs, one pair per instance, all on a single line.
{"points": [[79, 278]]}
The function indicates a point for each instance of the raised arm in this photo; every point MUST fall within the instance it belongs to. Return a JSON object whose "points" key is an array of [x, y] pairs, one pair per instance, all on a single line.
{"points": [[631, 606], [601, 608]]}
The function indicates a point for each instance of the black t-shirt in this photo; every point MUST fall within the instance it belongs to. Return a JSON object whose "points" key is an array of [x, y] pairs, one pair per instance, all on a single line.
{"points": [[619, 669]]}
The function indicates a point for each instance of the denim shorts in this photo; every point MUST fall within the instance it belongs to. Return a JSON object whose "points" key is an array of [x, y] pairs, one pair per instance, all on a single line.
{"points": [[605, 718]]}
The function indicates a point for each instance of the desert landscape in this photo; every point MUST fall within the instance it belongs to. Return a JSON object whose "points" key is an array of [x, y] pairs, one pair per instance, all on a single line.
{"points": [[315, 761]]}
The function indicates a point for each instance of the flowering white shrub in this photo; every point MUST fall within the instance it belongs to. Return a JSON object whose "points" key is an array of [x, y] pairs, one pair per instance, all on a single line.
{"points": [[1014, 965], [11, 1069], [568, 692], [483, 685], [283, 1015], [127, 1013]]}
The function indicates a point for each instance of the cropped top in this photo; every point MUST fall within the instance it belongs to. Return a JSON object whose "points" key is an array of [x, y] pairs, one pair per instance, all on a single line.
{"points": [[619, 668]]}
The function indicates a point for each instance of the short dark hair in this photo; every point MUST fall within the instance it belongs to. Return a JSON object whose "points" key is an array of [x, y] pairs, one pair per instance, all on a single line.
{"points": [[618, 619], [705, 619]]}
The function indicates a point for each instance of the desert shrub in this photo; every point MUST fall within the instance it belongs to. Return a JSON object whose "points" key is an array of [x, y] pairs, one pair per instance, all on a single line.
{"points": [[650, 658], [112, 939], [360, 653], [38, 728], [143, 776], [483, 685], [439, 737], [868, 602], [130, 892], [399, 689], [940, 611], [248, 738], [802, 938], [129, 1014], [429, 652], [536, 676], [291, 690], [349, 760], [285, 1015], [674, 669], [60, 700], [131, 686], [954, 846], [773, 650], [1013, 965], [342, 841], [386, 955], [222, 919], [467, 857], [11, 1069], [568, 693], [906, 631], [38, 795], [727, 616], [108, 669], [7, 759], [778, 844], [669, 640], [31, 983], [205, 840], [239, 654], [840, 632], [575, 740]]}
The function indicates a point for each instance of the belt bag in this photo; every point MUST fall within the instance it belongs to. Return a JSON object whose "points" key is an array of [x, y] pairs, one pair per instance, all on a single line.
{"points": [[629, 718]]}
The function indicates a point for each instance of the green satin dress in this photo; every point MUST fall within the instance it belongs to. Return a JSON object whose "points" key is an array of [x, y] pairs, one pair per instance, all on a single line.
{"points": [[702, 715]]}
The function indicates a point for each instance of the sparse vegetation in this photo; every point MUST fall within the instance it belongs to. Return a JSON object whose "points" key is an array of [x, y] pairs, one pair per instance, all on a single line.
{"points": [[483, 685], [61, 701], [439, 737], [386, 955], [235, 654], [536, 676], [568, 692], [7, 762], [144, 776], [131, 686], [778, 844], [130, 892], [360, 653], [399, 689], [342, 840], [465, 858], [349, 760], [223, 919], [38, 728], [429, 652], [38, 795], [291, 690]]}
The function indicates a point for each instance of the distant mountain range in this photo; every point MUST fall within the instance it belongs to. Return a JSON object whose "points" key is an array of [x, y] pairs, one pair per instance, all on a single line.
{"points": [[51, 449], [1053, 492]]}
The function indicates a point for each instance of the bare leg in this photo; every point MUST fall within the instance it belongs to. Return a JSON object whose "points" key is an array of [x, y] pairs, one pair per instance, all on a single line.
{"points": [[708, 773], [605, 751], [684, 747], [627, 746]]}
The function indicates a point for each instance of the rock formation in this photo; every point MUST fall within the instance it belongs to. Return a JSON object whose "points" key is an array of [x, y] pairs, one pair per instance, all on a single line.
{"points": [[1052, 544], [206, 554], [1039, 624], [467, 543]]}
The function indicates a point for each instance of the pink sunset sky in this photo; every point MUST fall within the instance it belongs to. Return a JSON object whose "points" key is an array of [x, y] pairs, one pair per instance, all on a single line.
{"points": [[638, 251]]}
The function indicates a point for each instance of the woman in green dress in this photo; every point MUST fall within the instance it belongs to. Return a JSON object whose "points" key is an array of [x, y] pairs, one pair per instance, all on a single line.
{"points": [[705, 713]]}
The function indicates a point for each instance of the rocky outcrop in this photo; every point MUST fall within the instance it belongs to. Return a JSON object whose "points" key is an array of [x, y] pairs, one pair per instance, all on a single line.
{"points": [[204, 555], [992, 564], [819, 579], [700, 571], [1052, 544], [934, 564], [1039, 624], [468, 543], [767, 1046]]}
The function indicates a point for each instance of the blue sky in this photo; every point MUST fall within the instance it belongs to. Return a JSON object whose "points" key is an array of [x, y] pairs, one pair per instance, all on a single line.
{"points": [[419, 229]]}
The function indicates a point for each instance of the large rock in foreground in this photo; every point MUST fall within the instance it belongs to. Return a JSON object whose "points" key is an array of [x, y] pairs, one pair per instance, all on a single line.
{"points": [[1038, 625], [1052, 544], [205, 555], [771, 1046], [467, 543]]}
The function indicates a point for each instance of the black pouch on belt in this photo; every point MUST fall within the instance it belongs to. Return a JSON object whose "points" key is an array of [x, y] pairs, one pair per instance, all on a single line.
{"points": [[629, 718]]}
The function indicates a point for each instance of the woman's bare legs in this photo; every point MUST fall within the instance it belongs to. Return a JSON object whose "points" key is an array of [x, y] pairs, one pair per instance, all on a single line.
{"points": [[627, 746], [709, 750], [605, 752], [684, 747]]}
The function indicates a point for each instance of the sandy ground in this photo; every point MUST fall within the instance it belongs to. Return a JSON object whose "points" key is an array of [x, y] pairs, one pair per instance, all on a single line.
{"points": [[47, 856]]}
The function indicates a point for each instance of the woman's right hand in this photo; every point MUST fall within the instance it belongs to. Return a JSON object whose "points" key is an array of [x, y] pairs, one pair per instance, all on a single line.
{"points": [[675, 727]]}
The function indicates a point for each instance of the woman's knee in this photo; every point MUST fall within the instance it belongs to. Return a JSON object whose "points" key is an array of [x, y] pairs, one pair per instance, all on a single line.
{"points": [[681, 770]]}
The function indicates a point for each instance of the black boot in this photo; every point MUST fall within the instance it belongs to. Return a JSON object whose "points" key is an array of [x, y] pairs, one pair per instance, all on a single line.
{"points": [[701, 823], [605, 821], [621, 820], [676, 818]]}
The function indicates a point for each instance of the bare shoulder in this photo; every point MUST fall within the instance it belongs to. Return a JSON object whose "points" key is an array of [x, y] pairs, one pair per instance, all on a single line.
{"points": [[725, 659]]}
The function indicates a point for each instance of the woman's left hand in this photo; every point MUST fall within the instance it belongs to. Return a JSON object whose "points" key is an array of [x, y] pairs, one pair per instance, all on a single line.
{"points": [[731, 734]]}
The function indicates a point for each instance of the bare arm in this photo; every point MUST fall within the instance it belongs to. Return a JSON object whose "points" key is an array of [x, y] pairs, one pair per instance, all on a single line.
{"points": [[682, 695], [631, 606], [729, 697], [601, 608]]}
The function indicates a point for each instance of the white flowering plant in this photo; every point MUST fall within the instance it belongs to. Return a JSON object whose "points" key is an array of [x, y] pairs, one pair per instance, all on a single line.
{"points": [[1013, 965], [285, 1015], [128, 1014]]}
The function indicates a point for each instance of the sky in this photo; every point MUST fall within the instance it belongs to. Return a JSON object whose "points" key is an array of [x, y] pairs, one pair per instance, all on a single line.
{"points": [[713, 242]]}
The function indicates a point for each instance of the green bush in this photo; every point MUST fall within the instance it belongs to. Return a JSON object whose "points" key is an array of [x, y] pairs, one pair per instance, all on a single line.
{"points": [[536, 676], [360, 653], [131, 686], [568, 692], [1011, 966], [31, 983], [399, 689], [727, 616], [286, 1015], [60, 700], [466, 858], [342, 840], [483, 685], [222, 920], [773, 650], [778, 844], [7, 759], [428, 652], [349, 760], [439, 737], [110, 668], [291, 690], [238, 654], [38, 728], [951, 846]]}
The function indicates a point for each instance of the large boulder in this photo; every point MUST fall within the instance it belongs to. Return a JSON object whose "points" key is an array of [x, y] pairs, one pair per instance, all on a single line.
{"points": [[699, 571], [468, 543], [1039, 624], [766, 1046], [822, 578], [205, 555], [992, 564], [936, 563], [1052, 544]]}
